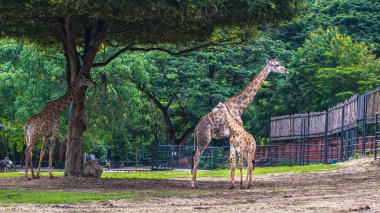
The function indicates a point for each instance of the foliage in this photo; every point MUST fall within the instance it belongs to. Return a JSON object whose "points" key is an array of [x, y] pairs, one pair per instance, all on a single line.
{"points": [[357, 18], [28, 81], [327, 69], [132, 21]]}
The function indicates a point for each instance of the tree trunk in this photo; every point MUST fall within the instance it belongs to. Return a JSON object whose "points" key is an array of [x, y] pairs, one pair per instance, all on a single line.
{"points": [[5, 145], [74, 153], [170, 132], [211, 75], [61, 153]]}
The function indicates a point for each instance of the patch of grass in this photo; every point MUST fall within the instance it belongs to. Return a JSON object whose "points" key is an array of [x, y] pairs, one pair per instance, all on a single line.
{"points": [[21, 174], [66, 197], [59, 197], [218, 173], [221, 173], [147, 174]]}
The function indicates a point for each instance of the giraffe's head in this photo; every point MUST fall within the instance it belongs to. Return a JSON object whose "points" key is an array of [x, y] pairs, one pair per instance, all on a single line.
{"points": [[220, 107], [275, 66]]}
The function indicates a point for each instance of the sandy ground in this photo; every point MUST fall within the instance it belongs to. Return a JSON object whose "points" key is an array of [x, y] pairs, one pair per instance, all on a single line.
{"points": [[354, 188]]}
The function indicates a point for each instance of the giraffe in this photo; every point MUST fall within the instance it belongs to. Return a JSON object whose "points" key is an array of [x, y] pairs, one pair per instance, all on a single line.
{"points": [[241, 142], [45, 124], [212, 125]]}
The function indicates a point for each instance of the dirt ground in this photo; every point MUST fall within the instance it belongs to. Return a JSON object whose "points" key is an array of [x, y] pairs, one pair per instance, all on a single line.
{"points": [[354, 188]]}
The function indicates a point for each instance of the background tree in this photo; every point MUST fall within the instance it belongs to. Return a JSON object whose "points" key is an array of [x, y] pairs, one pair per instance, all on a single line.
{"points": [[326, 71]]}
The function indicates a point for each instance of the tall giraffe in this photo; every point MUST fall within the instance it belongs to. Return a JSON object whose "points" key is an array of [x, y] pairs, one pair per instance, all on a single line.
{"points": [[241, 142], [45, 124], [213, 126]]}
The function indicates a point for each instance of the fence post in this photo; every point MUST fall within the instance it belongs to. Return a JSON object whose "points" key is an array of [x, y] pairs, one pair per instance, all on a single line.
{"points": [[376, 134], [326, 137], [303, 136], [364, 136], [308, 141], [342, 135], [291, 153], [270, 154]]}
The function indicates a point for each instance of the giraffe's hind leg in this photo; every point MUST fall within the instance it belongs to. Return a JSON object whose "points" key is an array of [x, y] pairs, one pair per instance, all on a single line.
{"points": [[233, 166], [251, 160], [241, 159], [52, 144], [27, 153], [203, 138], [197, 157], [31, 164]]}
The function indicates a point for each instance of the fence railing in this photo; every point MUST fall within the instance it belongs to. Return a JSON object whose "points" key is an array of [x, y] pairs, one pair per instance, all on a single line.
{"points": [[341, 117]]}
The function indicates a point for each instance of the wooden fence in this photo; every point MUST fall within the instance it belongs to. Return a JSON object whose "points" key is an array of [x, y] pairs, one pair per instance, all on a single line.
{"points": [[341, 117]]}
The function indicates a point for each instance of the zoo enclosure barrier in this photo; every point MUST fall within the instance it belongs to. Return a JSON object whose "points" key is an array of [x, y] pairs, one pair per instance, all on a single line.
{"points": [[348, 129]]}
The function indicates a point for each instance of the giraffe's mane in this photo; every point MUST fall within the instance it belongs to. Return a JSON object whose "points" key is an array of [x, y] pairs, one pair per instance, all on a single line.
{"points": [[58, 99], [229, 114], [257, 75]]}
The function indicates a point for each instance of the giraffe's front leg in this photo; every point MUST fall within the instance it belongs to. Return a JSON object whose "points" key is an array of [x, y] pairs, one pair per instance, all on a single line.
{"points": [[42, 154], [233, 165]]}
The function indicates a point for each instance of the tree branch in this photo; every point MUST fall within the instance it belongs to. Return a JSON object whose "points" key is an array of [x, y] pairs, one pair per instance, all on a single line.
{"points": [[93, 50], [71, 48], [101, 64], [131, 47], [185, 135], [169, 103], [152, 97]]}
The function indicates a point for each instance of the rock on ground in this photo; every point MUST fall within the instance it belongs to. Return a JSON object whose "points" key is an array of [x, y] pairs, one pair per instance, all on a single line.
{"points": [[92, 169]]}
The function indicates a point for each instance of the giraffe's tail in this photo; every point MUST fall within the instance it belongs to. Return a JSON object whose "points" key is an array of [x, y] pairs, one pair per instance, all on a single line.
{"points": [[26, 136], [194, 151], [195, 138]]}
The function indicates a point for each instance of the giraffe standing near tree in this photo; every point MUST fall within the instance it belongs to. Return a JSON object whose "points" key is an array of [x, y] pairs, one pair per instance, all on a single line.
{"points": [[45, 124], [213, 125], [241, 142]]}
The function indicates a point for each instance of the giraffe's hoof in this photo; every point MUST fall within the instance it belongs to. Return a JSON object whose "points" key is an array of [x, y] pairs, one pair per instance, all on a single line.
{"points": [[35, 177], [242, 187], [248, 187], [28, 178], [51, 176], [195, 186], [231, 187]]}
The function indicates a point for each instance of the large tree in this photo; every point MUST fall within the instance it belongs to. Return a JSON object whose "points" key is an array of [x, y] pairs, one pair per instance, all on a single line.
{"points": [[81, 28]]}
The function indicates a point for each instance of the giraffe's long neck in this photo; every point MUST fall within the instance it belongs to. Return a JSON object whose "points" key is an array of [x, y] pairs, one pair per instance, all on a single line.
{"points": [[232, 124], [239, 102], [61, 103]]}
